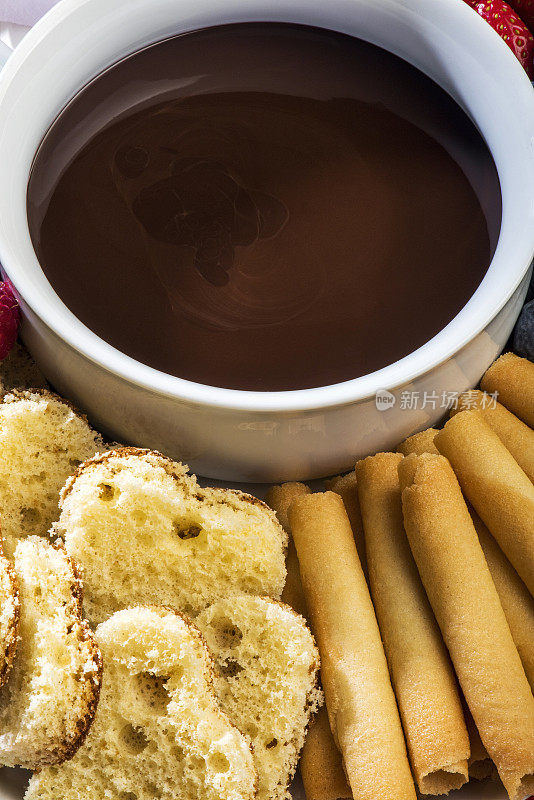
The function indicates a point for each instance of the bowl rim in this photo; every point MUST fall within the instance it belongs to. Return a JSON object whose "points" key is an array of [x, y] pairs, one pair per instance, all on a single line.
{"points": [[469, 323]]}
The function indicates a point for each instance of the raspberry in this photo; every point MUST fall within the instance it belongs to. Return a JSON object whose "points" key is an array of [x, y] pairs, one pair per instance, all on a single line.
{"points": [[9, 319]]}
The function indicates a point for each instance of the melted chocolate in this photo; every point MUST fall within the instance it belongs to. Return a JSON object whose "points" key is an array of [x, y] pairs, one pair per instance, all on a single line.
{"points": [[264, 207]]}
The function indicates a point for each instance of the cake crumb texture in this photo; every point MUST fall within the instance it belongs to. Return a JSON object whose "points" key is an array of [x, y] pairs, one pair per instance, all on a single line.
{"points": [[267, 665], [50, 698], [42, 441], [159, 732], [146, 533]]}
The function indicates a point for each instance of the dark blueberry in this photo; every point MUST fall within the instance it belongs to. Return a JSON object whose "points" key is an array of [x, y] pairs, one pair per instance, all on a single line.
{"points": [[524, 332]]}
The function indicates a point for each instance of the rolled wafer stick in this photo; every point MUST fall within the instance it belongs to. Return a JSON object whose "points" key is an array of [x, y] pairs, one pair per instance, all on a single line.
{"points": [[512, 378], [516, 600], [516, 436], [495, 485], [480, 764], [321, 765], [346, 486], [518, 607], [419, 664], [279, 498], [361, 704], [419, 443], [461, 591]]}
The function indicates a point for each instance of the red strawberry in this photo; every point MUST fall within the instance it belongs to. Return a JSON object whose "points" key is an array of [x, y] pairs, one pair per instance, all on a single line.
{"points": [[515, 33], [9, 319], [525, 9]]}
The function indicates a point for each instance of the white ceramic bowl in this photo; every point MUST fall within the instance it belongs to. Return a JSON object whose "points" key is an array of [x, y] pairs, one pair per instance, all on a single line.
{"points": [[251, 436]]}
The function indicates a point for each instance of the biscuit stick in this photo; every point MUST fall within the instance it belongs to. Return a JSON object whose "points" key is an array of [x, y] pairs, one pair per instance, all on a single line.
{"points": [[512, 378], [361, 704], [346, 486], [480, 764], [420, 666], [419, 443], [517, 437], [496, 486], [516, 600], [279, 498], [321, 765], [468, 610]]}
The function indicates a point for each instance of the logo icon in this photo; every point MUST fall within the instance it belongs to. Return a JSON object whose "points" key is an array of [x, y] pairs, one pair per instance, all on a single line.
{"points": [[384, 400]]}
